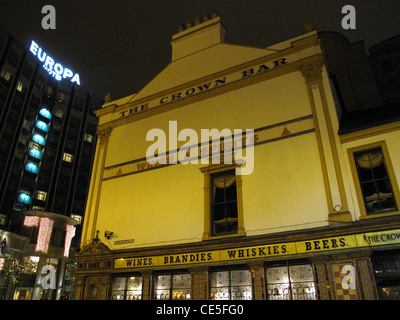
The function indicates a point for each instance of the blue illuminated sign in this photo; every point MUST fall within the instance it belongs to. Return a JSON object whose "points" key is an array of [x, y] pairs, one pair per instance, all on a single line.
{"points": [[56, 70]]}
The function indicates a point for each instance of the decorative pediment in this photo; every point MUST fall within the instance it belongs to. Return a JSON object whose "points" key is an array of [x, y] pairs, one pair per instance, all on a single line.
{"points": [[96, 247]]}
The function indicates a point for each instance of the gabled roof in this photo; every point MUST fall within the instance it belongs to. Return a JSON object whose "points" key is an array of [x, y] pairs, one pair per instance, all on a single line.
{"points": [[201, 64]]}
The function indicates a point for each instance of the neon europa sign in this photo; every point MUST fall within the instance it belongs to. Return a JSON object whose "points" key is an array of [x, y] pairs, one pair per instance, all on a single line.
{"points": [[56, 70]]}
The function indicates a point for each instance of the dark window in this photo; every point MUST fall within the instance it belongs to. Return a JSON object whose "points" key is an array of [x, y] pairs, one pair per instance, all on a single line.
{"points": [[374, 180], [224, 214], [387, 275]]}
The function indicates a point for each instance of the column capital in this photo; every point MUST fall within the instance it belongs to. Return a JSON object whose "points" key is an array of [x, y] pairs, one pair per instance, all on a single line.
{"points": [[312, 71], [104, 135]]}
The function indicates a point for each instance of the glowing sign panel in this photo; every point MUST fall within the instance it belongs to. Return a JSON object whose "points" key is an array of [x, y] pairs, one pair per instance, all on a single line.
{"points": [[56, 70]]}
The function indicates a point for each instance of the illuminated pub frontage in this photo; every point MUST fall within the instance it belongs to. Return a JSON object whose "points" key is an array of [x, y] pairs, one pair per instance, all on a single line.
{"points": [[311, 214]]}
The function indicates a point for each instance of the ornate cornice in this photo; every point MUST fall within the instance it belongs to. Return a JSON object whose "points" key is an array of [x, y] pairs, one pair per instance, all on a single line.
{"points": [[96, 247]]}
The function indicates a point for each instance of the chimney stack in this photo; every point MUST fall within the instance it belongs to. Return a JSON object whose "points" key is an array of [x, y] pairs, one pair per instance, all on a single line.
{"points": [[198, 35]]}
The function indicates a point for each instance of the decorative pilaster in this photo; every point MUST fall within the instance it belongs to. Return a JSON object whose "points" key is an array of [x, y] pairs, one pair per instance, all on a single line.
{"points": [[147, 285], [367, 279], [199, 283], [327, 139], [257, 273], [92, 206], [322, 276]]}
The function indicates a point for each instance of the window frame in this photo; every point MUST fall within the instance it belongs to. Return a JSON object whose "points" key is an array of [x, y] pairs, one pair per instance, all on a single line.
{"points": [[222, 203], [126, 276], [291, 283], [230, 269], [391, 174], [171, 274], [208, 172]]}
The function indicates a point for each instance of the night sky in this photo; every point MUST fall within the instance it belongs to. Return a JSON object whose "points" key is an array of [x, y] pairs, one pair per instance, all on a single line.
{"points": [[120, 45]]}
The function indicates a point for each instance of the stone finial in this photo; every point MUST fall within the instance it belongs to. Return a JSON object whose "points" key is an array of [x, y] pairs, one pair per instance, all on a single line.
{"points": [[107, 98], [309, 27], [189, 24], [181, 27], [215, 14], [197, 21]]}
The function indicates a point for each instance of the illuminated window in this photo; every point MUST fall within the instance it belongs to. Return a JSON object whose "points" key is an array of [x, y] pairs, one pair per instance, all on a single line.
{"points": [[88, 137], [35, 153], [6, 75], [20, 86], [171, 286], [376, 187], [37, 208], [27, 125], [32, 167], [223, 198], [42, 126], [294, 282], [39, 139], [77, 217], [24, 198], [62, 96], [127, 288], [59, 113], [67, 157], [231, 285], [3, 219], [41, 195], [45, 113]]}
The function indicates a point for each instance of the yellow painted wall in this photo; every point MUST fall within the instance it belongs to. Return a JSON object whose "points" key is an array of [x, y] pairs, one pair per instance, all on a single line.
{"points": [[166, 206], [277, 100]]}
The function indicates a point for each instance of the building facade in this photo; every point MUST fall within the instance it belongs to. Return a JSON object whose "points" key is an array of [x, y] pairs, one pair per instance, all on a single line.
{"points": [[280, 201], [48, 137]]}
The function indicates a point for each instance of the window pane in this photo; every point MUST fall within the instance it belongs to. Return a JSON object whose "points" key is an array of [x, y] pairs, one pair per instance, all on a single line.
{"points": [[162, 287], [241, 285], [231, 210], [118, 288], [277, 275], [278, 292], [303, 291], [134, 288], [301, 273], [218, 195], [365, 174], [379, 171], [220, 279], [181, 287], [219, 285], [230, 193], [302, 282]]}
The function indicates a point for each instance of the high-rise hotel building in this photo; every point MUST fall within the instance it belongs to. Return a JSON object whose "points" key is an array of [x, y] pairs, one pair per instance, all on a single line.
{"points": [[47, 142], [236, 174]]}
